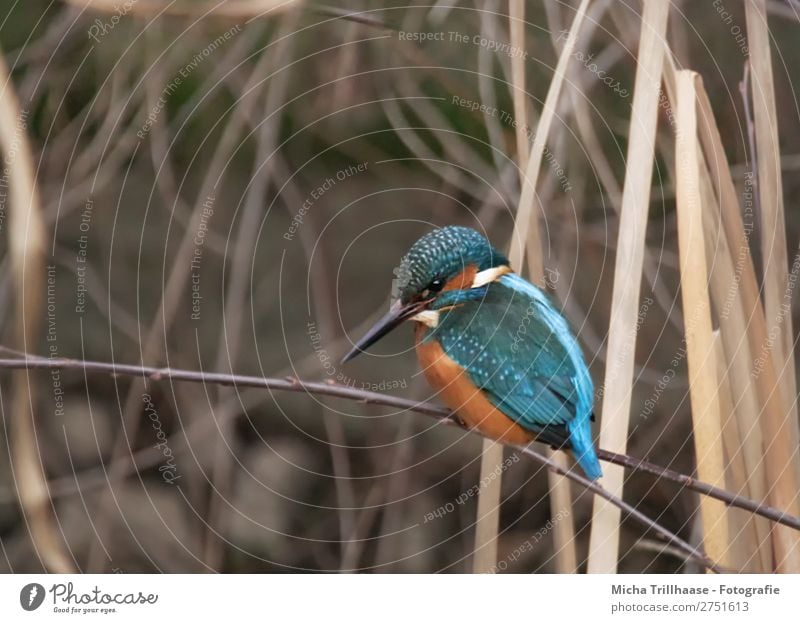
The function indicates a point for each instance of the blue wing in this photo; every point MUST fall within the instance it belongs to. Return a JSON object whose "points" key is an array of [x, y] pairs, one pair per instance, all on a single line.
{"points": [[574, 379], [519, 349]]}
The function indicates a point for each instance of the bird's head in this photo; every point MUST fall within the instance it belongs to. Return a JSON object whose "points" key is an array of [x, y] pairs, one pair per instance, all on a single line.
{"points": [[444, 260]]}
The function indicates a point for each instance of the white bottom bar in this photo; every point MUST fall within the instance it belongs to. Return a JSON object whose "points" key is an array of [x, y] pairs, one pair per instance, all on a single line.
{"points": [[388, 598]]}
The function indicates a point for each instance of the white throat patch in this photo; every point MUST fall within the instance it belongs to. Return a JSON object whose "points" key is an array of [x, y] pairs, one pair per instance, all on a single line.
{"points": [[429, 317], [489, 275]]}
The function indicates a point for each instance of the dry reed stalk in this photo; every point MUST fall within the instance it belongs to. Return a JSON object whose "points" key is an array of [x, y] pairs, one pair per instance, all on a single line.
{"points": [[565, 553], [526, 234], [487, 523], [152, 8], [773, 228], [777, 380], [529, 205], [516, 24], [732, 281], [733, 330], [743, 535], [604, 539], [26, 251], [565, 557], [763, 416], [701, 356]]}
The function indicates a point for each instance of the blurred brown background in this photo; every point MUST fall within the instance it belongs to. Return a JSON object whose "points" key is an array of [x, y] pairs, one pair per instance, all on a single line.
{"points": [[232, 192]]}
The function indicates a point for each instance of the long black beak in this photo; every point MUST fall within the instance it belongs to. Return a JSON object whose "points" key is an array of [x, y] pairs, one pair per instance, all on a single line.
{"points": [[393, 318]]}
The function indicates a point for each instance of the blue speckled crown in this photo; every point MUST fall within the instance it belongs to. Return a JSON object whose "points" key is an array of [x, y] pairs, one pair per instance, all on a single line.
{"points": [[442, 254]]}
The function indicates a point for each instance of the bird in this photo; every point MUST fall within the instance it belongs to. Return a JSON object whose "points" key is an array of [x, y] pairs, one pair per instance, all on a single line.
{"points": [[494, 346]]}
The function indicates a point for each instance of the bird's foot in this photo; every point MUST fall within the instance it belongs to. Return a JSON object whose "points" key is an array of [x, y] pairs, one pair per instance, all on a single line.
{"points": [[461, 423]]}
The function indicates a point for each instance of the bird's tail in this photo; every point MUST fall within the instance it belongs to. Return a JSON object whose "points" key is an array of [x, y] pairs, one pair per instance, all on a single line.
{"points": [[580, 438]]}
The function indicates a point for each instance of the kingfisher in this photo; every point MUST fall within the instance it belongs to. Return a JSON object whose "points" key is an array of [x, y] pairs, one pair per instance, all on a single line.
{"points": [[493, 345]]}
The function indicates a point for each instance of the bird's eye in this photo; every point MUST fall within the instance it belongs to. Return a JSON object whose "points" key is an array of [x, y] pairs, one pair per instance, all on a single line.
{"points": [[433, 287], [436, 285]]}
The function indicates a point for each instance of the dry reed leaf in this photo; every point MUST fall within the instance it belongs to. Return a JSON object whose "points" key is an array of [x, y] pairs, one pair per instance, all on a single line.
{"points": [[700, 354], [565, 556], [516, 22], [604, 539], [529, 206], [779, 418], [773, 224], [526, 234], [26, 251], [152, 8], [488, 511], [762, 418], [743, 536], [736, 347], [732, 277], [766, 411], [487, 520]]}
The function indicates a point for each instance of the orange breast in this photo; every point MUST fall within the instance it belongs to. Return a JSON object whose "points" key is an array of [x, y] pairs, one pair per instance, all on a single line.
{"points": [[462, 396]]}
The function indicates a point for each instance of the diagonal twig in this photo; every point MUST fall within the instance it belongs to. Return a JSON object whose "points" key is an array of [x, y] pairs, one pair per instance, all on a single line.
{"points": [[340, 391], [346, 392]]}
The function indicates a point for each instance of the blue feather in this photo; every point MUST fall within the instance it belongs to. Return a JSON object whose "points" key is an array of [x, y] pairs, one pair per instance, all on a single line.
{"points": [[579, 427], [518, 348]]}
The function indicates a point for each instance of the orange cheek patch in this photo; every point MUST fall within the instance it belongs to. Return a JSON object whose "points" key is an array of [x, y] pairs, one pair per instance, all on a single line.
{"points": [[462, 280]]}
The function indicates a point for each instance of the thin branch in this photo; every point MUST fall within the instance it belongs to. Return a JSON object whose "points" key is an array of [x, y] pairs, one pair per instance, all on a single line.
{"points": [[698, 486], [339, 391], [367, 397], [595, 488]]}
